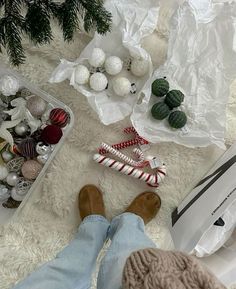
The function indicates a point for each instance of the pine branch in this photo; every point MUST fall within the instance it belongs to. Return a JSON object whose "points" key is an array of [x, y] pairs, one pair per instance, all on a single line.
{"points": [[53, 8], [37, 22], [96, 16], [11, 28], [68, 18], [93, 13]]}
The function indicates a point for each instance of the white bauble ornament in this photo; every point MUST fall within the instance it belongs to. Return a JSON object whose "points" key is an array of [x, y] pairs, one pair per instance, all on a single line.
{"points": [[113, 65], [15, 196], [121, 86], [156, 47], [4, 193], [7, 156], [22, 129], [42, 159], [81, 74], [9, 85], [97, 58], [3, 172], [139, 67], [98, 81], [12, 179]]}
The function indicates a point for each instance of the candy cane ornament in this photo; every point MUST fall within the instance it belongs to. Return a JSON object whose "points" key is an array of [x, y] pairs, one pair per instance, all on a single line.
{"points": [[138, 140], [150, 179], [141, 159]]}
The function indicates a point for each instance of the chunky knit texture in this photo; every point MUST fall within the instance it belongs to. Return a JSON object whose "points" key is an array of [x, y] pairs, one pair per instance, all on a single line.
{"points": [[157, 269]]}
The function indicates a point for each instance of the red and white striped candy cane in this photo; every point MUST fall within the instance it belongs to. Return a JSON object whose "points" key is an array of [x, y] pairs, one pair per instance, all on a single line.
{"points": [[141, 159], [138, 140], [150, 179]]}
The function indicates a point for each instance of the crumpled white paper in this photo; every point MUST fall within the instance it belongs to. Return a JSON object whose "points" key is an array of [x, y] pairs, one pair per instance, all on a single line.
{"points": [[201, 63], [132, 21]]}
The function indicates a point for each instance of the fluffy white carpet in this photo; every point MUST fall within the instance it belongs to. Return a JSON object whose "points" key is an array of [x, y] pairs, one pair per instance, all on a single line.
{"points": [[50, 218]]}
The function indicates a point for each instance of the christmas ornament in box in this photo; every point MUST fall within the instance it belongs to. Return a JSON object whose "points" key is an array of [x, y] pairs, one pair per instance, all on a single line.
{"points": [[31, 134]]}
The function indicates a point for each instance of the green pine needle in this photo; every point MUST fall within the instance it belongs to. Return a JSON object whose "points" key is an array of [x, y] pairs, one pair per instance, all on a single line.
{"points": [[68, 18], [36, 23], [11, 27], [96, 16]]}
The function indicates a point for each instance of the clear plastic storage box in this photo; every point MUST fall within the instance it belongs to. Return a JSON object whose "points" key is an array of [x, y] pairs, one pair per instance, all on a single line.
{"points": [[5, 213]]}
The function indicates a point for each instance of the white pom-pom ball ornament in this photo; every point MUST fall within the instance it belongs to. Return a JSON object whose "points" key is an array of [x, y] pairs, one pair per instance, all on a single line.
{"points": [[121, 86], [98, 81], [113, 65], [81, 74], [139, 67], [97, 58]]}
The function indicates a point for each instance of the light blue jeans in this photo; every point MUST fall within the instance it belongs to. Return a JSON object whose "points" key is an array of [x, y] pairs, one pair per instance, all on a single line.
{"points": [[73, 267]]}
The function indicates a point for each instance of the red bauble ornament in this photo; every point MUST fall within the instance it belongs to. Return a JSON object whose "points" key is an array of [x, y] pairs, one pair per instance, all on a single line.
{"points": [[51, 134], [59, 117]]}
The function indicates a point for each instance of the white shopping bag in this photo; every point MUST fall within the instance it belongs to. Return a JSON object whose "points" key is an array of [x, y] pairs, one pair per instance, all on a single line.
{"points": [[223, 262], [211, 203]]}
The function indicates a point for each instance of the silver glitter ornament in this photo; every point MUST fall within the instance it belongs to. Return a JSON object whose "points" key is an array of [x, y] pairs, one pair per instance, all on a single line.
{"points": [[42, 159], [43, 149], [22, 129], [21, 189], [25, 92], [12, 179], [7, 156]]}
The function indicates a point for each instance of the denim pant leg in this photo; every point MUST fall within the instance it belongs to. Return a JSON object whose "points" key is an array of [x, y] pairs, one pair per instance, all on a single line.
{"points": [[73, 267], [127, 233]]}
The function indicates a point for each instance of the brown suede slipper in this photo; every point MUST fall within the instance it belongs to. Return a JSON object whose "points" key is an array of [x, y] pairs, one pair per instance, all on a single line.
{"points": [[145, 205], [91, 202]]}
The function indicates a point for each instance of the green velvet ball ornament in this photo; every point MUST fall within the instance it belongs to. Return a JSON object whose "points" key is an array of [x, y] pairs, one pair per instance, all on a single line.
{"points": [[174, 98], [160, 110], [160, 87], [177, 119]]}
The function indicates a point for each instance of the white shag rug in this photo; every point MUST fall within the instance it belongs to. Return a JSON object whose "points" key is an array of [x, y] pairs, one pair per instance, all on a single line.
{"points": [[50, 218]]}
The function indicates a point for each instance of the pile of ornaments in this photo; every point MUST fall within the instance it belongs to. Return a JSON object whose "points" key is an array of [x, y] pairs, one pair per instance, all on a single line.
{"points": [[167, 108], [29, 130], [100, 67]]}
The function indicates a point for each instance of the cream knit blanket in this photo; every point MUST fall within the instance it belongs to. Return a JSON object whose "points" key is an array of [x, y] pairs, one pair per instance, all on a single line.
{"points": [[50, 218]]}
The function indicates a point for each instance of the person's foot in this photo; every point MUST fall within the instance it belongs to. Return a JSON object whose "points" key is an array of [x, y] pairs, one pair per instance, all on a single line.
{"points": [[91, 202], [146, 205]]}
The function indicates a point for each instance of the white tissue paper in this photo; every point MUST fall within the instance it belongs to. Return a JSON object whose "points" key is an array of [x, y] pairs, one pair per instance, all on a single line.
{"points": [[132, 21], [201, 63]]}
